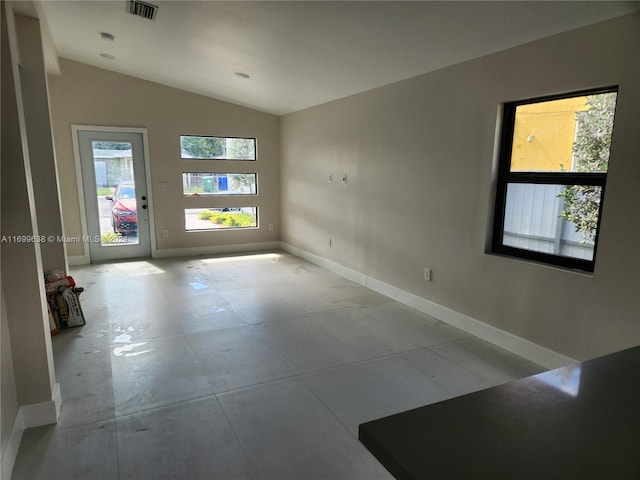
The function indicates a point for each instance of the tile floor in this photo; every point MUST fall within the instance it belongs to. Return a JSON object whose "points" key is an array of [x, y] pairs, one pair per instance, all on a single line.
{"points": [[248, 367]]}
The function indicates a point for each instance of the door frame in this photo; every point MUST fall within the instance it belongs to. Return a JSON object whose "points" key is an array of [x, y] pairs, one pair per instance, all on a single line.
{"points": [[85, 259]]}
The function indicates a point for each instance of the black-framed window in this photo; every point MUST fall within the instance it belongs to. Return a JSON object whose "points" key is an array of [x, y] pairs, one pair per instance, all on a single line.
{"points": [[554, 157]]}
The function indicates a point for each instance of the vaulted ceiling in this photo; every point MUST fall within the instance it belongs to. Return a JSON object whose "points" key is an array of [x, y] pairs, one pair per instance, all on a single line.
{"points": [[300, 54]]}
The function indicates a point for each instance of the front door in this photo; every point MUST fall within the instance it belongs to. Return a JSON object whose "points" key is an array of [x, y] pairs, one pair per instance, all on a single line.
{"points": [[115, 194]]}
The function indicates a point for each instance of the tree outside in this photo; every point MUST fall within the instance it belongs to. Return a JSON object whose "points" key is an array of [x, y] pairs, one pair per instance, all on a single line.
{"points": [[219, 147], [594, 128], [241, 148], [203, 147]]}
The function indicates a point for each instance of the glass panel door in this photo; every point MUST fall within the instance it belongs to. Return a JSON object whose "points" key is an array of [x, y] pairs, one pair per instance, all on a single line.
{"points": [[115, 194]]}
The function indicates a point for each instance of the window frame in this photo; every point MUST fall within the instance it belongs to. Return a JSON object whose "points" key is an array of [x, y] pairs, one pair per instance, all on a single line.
{"points": [[222, 159], [505, 177], [224, 166], [222, 229], [221, 194]]}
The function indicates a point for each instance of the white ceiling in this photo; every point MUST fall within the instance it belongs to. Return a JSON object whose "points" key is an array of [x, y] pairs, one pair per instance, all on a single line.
{"points": [[301, 54]]}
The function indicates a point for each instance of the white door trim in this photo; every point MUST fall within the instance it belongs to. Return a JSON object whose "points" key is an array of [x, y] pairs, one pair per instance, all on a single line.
{"points": [[86, 258]]}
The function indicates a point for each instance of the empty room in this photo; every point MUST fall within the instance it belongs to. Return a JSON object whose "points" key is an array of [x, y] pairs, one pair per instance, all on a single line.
{"points": [[320, 240]]}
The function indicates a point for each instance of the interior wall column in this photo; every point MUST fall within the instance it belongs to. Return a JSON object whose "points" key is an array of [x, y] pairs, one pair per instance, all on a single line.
{"points": [[35, 100], [20, 257]]}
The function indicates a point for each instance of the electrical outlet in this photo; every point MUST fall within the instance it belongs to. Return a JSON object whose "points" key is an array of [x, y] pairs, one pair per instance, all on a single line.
{"points": [[271, 227], [427, 274], [165, 233]]}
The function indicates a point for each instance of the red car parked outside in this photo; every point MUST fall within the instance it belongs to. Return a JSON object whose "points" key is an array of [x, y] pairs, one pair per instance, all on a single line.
{"points": [[124, 217]]}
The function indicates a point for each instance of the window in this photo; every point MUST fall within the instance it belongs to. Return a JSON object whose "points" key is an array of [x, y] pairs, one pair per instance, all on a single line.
{"points": [[220, 218], [218, 183], [217, 148], [554, 156]]}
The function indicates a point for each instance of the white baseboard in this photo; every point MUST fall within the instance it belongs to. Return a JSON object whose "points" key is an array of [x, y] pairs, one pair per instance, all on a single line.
{"points": [[216, 249], [512, 343], [10, 451], [348, 273], [45, 413], [28, 416], [193, 251]]}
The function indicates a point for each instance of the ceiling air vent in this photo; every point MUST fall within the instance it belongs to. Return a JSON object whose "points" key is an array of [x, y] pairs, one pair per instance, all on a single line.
{"points": [[143, 9]]}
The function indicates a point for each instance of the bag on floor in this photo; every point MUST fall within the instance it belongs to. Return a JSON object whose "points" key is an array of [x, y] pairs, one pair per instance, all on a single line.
{"points": [[65, 306], [52, 285]]}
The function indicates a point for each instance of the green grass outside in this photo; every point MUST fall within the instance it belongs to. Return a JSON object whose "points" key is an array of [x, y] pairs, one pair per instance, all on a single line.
{"points": [[228, 219]]}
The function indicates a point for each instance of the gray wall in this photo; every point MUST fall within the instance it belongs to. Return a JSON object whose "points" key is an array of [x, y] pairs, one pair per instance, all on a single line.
{"points": [[8, 399], [92, 96], [420, 159]]}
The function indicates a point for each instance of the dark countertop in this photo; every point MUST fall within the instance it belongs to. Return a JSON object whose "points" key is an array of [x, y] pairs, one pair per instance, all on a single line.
{"points": [[577, 422]]}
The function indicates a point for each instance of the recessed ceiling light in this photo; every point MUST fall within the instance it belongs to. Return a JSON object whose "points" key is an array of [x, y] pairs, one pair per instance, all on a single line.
{"points": [[107, 56], [241, 75], [107, 36]]}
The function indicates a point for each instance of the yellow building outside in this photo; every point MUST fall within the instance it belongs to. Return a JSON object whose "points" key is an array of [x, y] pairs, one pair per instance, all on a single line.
{"points": [[544, 133]]}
